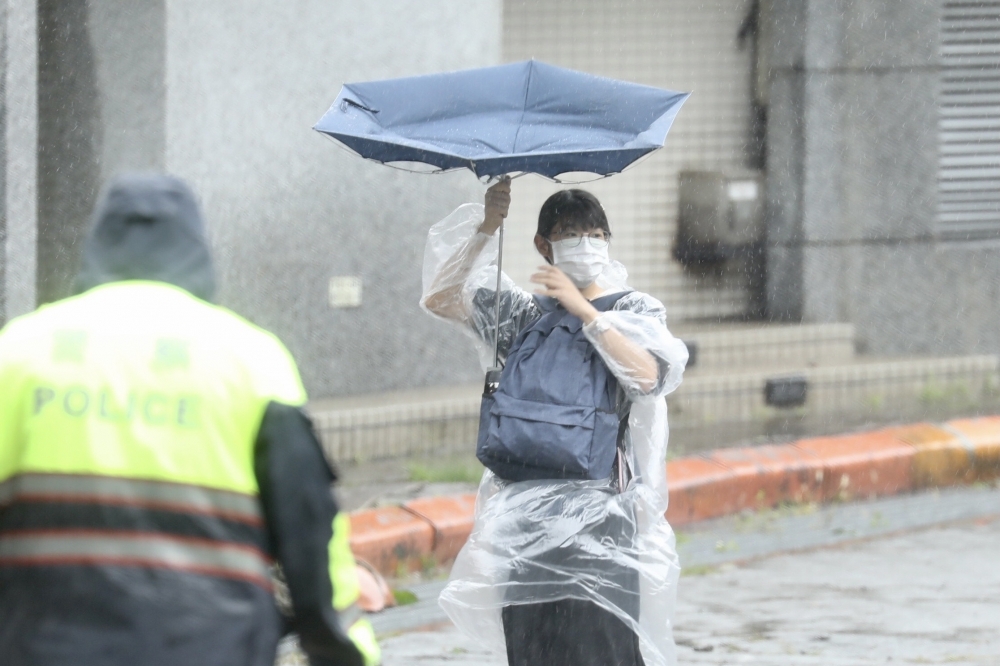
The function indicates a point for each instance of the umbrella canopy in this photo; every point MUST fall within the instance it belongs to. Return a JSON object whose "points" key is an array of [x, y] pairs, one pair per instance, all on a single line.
{"points": [[524, 117]]}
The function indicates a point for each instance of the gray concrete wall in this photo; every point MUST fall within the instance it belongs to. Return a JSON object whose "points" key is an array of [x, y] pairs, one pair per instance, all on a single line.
{"points": [[3, 161], [101, 111], [18, 158], [286, 208], [852, 169]]}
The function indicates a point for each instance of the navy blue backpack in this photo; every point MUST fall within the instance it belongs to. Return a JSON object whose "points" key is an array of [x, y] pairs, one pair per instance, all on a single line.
{"points": [[553, 415]]}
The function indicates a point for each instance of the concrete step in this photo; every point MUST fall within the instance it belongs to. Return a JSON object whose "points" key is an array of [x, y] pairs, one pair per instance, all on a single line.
{"points": [[726, 348], [710, 410], [715, 302]]}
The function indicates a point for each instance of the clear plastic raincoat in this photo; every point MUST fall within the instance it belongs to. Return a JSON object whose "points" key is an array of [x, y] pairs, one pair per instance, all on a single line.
{"points": [[541, 541]]}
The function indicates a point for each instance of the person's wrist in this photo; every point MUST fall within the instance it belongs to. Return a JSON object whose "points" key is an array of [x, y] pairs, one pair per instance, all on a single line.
{"points": [[589, 313], [599, 324], [490, 226]]}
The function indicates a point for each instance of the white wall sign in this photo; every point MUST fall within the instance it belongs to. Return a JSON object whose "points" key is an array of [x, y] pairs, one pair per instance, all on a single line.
{"points": [[345, 291], [743, 190]]}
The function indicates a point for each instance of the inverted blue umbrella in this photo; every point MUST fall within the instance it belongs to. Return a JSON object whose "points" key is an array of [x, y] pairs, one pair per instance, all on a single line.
{"points": [[525, 117]]}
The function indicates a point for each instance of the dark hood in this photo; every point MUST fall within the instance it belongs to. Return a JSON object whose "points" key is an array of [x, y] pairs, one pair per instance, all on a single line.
{"points": [[148, 227]]}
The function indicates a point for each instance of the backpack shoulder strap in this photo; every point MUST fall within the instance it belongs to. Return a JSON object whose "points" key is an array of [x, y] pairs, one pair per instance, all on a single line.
{"points": [[608, 301], [555, 314]]}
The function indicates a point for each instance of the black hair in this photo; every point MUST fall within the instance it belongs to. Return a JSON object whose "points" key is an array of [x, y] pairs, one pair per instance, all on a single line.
{"points": [[572, 209]]}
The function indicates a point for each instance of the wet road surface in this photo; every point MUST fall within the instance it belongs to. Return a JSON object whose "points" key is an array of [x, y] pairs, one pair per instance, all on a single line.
{"points": [[925, 597]]}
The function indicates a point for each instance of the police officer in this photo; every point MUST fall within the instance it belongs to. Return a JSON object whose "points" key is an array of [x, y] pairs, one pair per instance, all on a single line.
{"points": [[155, 462]]}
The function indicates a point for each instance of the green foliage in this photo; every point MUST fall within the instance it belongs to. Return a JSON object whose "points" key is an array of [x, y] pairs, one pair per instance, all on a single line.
{"points": [[766, 519], [722, 546], [950, 397], [453, 472], [404, 597], [428, 563], [875, 402]]}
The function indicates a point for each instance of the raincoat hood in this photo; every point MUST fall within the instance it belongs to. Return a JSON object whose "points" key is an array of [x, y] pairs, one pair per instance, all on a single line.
{"points": [[148, 227]]}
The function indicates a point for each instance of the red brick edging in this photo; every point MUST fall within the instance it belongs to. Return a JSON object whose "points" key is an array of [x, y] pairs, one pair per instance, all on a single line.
{"points": [[821, 469]]}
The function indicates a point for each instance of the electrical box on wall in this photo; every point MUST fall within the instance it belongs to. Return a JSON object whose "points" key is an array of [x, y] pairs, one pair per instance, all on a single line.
{"points": [[720, 215]]}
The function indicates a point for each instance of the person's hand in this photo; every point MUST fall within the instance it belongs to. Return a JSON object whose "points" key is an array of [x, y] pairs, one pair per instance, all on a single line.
{"points": [[497, 205], [557, 284]]}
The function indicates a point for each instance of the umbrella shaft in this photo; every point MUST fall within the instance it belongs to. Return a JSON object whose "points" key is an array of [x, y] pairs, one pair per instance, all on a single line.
{"points": [[496, 329]]}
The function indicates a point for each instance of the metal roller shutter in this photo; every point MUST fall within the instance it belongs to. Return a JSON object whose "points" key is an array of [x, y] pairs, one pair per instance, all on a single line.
{"points": [[969, 124]]}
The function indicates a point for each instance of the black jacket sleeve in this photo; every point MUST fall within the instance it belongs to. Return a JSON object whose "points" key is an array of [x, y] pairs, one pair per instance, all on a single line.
{"points": [[296, 492]]}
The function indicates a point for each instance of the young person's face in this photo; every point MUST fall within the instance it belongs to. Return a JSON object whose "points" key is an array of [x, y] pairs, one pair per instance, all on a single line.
{"points": [[596, 237]]}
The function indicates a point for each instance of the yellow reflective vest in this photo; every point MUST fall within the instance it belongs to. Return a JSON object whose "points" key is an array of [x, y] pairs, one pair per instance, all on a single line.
{"points": [[130, 468]]}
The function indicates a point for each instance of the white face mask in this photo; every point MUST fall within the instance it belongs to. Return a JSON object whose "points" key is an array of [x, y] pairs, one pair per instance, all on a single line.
{"points": [[582, 264]]}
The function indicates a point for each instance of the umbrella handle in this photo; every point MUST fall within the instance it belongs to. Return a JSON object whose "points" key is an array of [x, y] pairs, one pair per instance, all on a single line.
{"points": [[490, 180]]}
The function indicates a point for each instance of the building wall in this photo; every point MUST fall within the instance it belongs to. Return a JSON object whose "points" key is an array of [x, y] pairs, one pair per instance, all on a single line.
{"points": [[100, 111], [225, 94], [286, 208], [4, 253], [674, 44], [18, 157], [853, 159]]}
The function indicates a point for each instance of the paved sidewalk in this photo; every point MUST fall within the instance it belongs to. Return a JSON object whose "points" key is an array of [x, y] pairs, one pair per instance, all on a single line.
{"points": [[825, 471], [925, 597]]}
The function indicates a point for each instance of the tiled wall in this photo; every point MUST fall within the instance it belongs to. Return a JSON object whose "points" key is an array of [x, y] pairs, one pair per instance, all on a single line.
{"points": [[678, 44]]}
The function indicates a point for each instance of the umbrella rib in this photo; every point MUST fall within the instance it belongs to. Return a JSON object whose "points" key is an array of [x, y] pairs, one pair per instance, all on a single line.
{"points": [[524, 107]]}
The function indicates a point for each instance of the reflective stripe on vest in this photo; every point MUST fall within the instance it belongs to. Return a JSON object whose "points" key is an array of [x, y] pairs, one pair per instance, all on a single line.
{"points": [[156, 495], [94, 547]]}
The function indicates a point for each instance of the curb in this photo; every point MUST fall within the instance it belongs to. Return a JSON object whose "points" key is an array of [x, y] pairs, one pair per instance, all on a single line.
{"points": [[872, 464]]}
